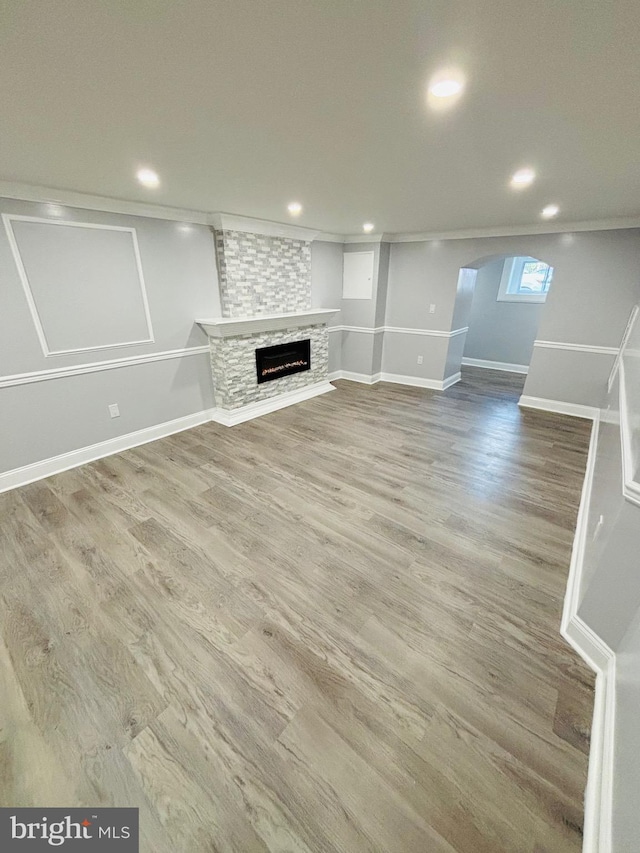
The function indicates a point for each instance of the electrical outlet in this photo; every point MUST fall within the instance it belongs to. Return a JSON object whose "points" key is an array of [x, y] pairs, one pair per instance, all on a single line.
{"points": [[114, 411], [420, 359], [432, 308]]}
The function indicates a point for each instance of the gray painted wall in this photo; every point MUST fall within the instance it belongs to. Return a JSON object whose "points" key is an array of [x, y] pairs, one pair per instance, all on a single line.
{"points": [[54, 416], [401, 352], [594, 287], [595, 284], [357, 352], [609, 604], [500, 331], [362, 352], [45, 419], [326, 276], [326, 291], [361, 312]]}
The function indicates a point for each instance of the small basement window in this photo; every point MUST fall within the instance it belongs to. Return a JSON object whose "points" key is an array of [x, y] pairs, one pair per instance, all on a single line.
{"points": [[524, 279]]}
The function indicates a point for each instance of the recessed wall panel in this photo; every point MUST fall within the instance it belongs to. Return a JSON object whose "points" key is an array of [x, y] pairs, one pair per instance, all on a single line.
{"points": [[83, 282]]}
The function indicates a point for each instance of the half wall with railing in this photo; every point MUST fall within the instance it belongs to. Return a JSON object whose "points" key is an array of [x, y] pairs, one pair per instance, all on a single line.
{"points": [[602, 607]]}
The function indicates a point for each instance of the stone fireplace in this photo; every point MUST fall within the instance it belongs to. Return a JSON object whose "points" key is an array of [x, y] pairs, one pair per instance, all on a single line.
{"points": [[265, 294]]}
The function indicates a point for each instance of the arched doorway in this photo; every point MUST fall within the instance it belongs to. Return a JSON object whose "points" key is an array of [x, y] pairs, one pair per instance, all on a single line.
{"points": [[500, 299]]}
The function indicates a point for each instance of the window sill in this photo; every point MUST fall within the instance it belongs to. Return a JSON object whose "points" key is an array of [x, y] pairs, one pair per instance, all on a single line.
{"points": [[517, 297]]}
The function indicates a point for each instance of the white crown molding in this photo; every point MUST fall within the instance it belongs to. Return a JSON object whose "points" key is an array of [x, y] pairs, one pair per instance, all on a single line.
{"points": [[56, 464], [516, 230], [365, 238], [325, 237], [496, 365], [576, 347], [85, 201], [96, 367], [231, 417], [247, 225], [559, 407]]}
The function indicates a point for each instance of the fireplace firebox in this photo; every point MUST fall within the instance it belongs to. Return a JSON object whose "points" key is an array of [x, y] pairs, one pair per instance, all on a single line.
{"points": [[282, 360]]}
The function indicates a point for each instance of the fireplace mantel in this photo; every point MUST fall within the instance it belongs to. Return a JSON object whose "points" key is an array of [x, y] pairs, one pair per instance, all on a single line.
{"points": [[226, 327]]}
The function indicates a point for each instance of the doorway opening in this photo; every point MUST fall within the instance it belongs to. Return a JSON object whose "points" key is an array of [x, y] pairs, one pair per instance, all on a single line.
{"points": [[505, 307]]}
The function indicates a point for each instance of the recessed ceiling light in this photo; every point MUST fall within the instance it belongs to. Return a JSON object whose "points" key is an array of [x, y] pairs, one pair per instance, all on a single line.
{"points": [[148, 178], [446, 88], [294, 208], [368, 227], [522, 178], [550, 211]]}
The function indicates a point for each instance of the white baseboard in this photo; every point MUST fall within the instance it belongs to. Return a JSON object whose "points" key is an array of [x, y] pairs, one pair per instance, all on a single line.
{"points": [[451, 380], [420, 382], [598, 655], [56, 464], [397, 379], [263, 407], [496, 365], [581, 640], [559, 407], [364, 378]]}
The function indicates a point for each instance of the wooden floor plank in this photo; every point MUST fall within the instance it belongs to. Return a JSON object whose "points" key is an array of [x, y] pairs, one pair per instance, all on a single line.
{"points": [[334, 628]]}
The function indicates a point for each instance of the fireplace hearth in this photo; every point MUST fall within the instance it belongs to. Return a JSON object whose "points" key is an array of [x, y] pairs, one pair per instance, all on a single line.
{"points": [[282, 360]]}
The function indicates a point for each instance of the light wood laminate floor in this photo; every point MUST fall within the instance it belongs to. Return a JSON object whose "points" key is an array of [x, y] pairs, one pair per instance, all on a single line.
{"points": [[334, 628]]}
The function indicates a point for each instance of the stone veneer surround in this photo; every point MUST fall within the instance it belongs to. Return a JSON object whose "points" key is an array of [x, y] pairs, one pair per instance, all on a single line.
{"points": [[233, 364], [262, 275]]}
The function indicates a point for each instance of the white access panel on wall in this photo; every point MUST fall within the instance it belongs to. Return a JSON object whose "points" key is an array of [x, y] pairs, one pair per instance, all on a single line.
{"points": [[83, 283], [357, 275]]}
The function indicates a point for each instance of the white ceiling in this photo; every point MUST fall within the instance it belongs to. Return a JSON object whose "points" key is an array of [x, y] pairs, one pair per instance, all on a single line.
{"points": [[245, 105]]}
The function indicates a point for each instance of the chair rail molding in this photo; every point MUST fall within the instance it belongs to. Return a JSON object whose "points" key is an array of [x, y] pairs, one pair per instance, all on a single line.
{"points": [[97, 366], [576, 347], [400, 330]]}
